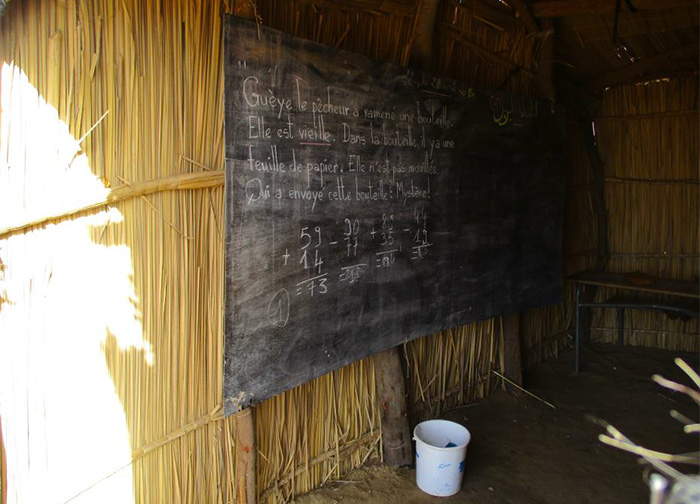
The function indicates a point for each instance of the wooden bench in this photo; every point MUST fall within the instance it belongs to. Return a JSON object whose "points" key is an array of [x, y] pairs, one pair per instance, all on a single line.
{"points": [[685, 310], [686, 307]]}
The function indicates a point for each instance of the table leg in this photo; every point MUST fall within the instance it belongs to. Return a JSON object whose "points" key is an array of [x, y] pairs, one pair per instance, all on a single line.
{"points": [[577, 327], [621, 327]]}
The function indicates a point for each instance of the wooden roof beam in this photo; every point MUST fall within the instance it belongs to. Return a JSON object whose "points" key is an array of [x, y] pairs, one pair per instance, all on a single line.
{"points": [[498, 16], [460, 36], [528, 19], [653, 65], [566, 8], [383, 7], [420, 50]]}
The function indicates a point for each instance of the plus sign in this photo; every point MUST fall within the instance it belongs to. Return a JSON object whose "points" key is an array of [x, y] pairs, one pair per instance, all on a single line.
{"points": [[286, 256], [373, 233]]}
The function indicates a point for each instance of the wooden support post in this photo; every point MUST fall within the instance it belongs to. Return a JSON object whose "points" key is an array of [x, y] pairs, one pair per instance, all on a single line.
{"points": [[597, 190], [421, 50], [523, 10], [245, 9], [545, 82], [245, 457], [245, 466], [513, 360], [391, 389], [391, 394], [585, 105], [597, 196]]}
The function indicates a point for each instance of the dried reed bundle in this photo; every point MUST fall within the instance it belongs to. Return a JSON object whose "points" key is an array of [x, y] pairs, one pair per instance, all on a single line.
{"points": [[317, 431], [452, 367]]}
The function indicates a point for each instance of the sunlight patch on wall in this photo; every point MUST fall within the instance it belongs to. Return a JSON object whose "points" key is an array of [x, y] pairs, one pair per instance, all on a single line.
{"points": [[43, 170], [65, 293]]}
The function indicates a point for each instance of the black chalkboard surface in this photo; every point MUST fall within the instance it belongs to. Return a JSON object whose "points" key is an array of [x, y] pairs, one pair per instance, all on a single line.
{"points": [[368, 205]]}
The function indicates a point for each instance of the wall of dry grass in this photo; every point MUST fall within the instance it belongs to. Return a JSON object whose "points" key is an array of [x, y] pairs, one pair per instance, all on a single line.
{"points": [[111, 242], [648, 138], [111, 333]]}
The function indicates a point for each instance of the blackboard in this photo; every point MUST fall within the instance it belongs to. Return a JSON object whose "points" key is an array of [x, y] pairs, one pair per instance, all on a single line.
{"points": [[368, 205]]}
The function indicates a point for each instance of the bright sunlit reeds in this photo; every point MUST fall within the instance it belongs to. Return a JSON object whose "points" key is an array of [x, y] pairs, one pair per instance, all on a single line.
{"points": [[67, 297], [49, 174]]}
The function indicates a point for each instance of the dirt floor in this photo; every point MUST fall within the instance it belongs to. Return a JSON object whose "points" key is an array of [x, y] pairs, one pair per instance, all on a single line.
{"points": [[523, 451]]}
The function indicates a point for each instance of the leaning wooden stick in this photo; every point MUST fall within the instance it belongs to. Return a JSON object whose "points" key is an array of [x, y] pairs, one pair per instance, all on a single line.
{"points": [[523, 390]]}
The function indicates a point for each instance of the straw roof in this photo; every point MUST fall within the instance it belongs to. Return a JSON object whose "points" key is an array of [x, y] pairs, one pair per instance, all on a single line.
{"points": [[660, 39], [486, 41]]}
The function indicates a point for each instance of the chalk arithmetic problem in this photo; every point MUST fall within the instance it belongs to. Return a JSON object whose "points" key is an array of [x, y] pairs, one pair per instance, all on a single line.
{"points": [[367, 205]]}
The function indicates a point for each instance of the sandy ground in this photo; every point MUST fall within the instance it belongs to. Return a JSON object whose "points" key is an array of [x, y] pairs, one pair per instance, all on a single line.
{"points": [[522, 451]]}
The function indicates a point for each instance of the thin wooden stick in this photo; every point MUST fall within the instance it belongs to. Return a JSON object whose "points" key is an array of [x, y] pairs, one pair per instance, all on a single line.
{"points": [[87, 133], [523, 390]]}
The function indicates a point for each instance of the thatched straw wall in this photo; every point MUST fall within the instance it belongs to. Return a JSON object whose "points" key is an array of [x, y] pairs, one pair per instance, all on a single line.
{"points": [[111, 329], [111, 242], [648, 138]]}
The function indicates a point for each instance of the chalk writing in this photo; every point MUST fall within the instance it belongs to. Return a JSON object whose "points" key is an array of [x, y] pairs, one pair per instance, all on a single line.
{"points": [[504, 109], [278, 308], [368, 204]]}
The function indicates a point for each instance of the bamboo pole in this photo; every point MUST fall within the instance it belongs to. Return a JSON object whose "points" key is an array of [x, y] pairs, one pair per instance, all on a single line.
{"points": [[183, 182]]}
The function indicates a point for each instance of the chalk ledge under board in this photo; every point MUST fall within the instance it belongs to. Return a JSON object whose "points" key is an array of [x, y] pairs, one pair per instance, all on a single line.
{"points": [[368, 205]]}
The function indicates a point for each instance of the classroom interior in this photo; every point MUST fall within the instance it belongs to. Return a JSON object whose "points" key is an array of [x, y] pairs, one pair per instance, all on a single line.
{"points": [[116, 291]]}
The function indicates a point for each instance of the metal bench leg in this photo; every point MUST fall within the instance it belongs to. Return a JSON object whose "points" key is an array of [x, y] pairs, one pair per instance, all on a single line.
{"points": [[621, 327], [577, 326]]}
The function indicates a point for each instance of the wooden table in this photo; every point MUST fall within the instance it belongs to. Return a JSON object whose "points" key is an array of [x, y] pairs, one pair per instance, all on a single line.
{"points": [[687, 290]]}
